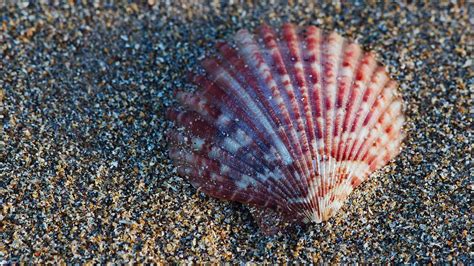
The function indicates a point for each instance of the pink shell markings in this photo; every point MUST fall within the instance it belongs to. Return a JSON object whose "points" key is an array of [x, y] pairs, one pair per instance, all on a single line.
{"points": [[288, 120]]}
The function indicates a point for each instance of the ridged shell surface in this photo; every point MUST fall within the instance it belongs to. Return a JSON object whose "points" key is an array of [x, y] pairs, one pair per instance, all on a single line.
{"points": [[290, 120]]}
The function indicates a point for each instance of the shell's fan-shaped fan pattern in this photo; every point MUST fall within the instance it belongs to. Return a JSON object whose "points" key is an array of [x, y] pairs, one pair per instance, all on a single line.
{"points": [[289, 121]]}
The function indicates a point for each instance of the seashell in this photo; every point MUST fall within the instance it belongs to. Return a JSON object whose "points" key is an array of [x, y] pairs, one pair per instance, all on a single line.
{"points": [[287, 122]]}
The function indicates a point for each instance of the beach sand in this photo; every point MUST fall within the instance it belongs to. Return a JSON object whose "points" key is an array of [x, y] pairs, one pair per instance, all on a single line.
{"points": [[84, 170]]}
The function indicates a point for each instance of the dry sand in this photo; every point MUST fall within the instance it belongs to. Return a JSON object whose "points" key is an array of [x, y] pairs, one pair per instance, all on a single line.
{"points": [[84, 171]]}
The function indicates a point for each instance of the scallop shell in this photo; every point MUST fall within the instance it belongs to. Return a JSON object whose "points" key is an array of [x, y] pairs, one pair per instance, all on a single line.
{"points": [[289, 122]]}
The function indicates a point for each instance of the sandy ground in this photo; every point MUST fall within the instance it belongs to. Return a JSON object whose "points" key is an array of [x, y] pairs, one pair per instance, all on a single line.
{"points": [[84, 171]]}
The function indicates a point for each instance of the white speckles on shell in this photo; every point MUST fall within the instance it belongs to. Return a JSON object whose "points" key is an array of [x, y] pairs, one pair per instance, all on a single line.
{"points": [[223, 120], [224, 169], [214, 153], [245, 181], [231, 145], [289, 129], [197, 143], [242, 138]]}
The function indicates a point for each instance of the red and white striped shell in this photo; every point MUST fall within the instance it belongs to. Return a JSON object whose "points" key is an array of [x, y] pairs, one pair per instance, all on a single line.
{"points": [[289, 121]]}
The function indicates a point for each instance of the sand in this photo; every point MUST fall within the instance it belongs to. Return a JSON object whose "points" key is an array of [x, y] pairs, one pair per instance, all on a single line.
{"points": [[84, 170]]}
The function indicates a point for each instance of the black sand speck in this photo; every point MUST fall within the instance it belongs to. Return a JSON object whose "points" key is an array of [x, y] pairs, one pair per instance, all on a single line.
{"points": [[84, 171]]}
